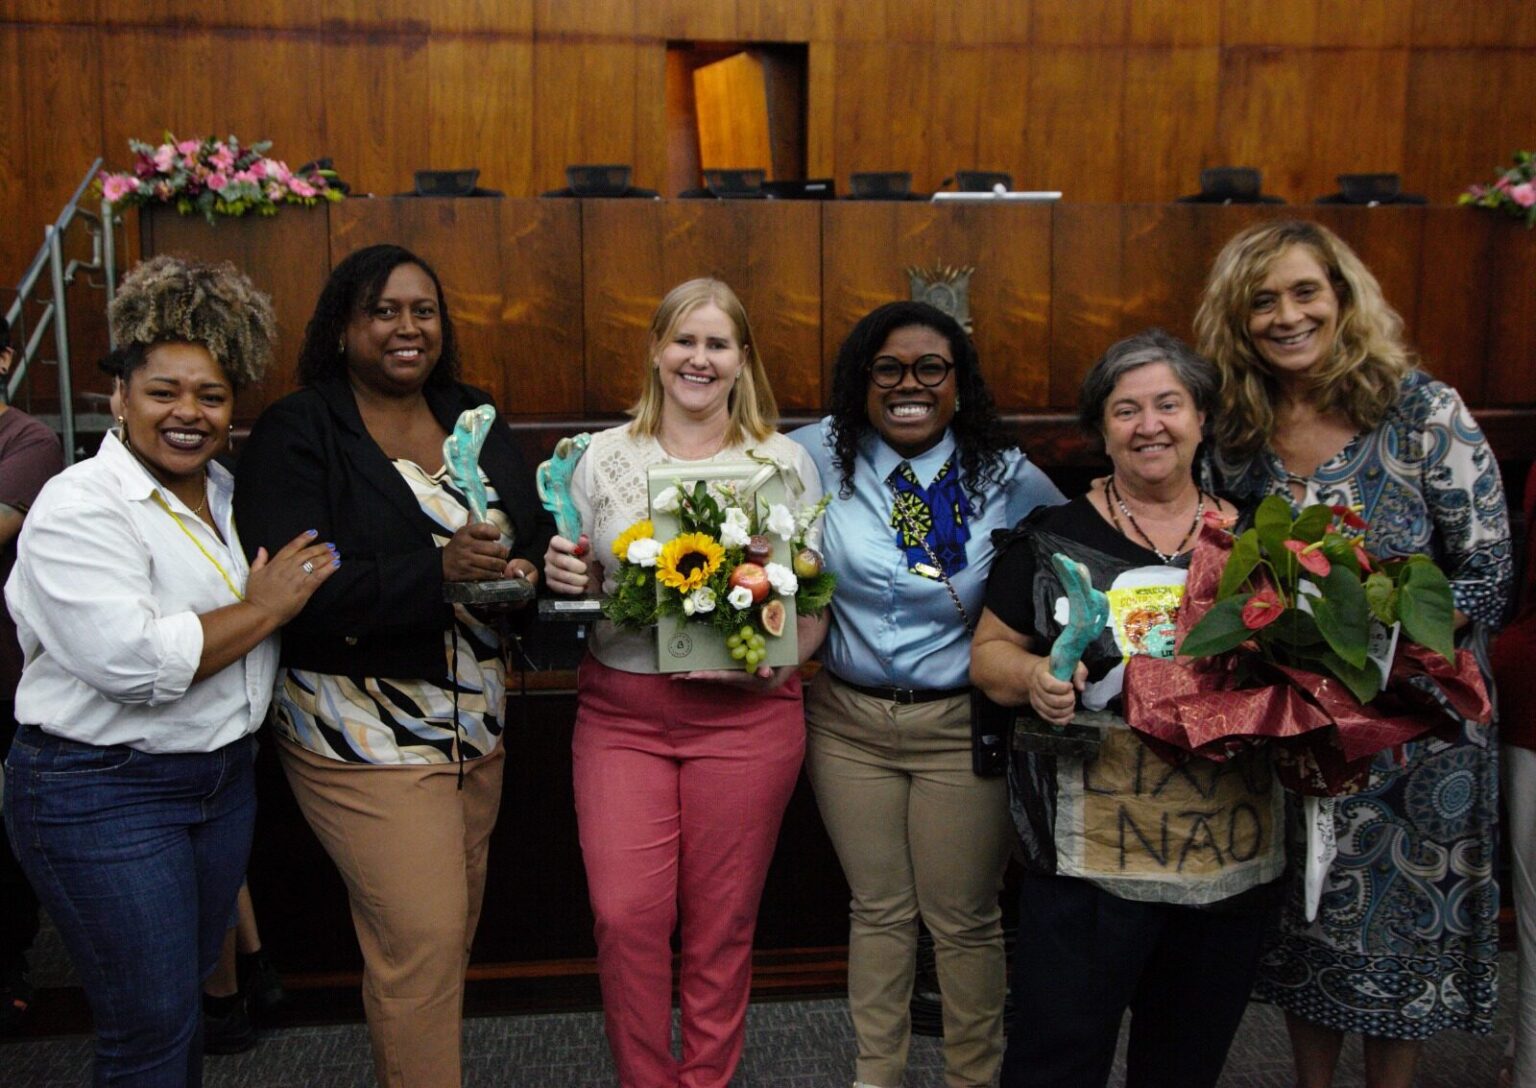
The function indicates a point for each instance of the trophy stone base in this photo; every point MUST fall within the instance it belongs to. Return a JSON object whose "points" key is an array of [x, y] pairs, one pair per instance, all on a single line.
{"points": [[570, 609], [1080, 738], [503, 591]]}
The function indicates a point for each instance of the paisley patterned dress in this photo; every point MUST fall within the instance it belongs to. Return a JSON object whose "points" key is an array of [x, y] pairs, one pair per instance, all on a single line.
{"points": [[1405, 940]]}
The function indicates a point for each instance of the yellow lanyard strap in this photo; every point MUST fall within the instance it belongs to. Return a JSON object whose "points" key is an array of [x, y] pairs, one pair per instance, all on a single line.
{"points": [[224, 574]]}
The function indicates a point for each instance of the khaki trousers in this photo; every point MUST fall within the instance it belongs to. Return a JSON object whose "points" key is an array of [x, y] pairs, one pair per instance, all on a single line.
{"points": [[411, 847], [917, 834]]}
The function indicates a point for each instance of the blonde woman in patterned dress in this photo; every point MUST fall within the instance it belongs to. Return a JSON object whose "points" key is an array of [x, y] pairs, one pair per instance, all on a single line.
{"points": [[389, 706], [680, 782], [1322, 402]]}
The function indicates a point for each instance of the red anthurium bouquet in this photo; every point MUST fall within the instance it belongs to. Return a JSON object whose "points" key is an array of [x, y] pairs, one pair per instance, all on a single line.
{"points": [[1291, 632]]}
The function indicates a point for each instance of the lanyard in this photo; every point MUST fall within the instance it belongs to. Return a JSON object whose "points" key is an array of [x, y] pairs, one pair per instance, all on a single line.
{"points": [[198, 544]]}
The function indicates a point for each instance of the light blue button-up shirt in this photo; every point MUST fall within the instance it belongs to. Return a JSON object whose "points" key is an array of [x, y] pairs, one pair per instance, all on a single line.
{"points": [[890, 627]]}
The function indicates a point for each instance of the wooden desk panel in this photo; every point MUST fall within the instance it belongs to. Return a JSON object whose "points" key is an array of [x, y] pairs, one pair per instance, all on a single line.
{"points": [[511, 273], [635, 251], [867, 246]]}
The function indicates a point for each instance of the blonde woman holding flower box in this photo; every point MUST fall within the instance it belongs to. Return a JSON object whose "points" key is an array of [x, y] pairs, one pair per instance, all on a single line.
{"points": [[681, 780]]}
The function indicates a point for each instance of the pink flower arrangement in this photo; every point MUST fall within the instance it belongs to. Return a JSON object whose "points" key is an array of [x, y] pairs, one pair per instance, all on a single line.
{"points": [[1512, 192], [214, 177]]}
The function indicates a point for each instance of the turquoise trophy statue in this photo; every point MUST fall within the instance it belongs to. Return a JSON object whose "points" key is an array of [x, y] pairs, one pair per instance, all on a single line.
{"points": [[461, 455], [1087, 613], [553, 479]]}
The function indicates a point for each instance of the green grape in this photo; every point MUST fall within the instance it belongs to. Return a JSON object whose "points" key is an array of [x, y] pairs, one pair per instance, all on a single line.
{"points": [[746, 633], [738, 652], [753, 657], [733, 641]]}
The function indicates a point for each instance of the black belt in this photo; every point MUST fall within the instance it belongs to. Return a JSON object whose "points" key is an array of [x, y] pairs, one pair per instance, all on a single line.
{"points": [[903, 696]]}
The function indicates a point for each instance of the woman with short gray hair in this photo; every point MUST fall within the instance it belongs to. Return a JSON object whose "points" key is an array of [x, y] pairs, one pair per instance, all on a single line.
{"points": [[1129, 898]]}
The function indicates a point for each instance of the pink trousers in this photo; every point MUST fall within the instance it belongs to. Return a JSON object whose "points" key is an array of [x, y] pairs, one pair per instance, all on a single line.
{"points": [[680, 787]]}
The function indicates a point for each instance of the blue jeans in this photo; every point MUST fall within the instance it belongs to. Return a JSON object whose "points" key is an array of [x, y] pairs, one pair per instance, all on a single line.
{"points": [[137, 858]]}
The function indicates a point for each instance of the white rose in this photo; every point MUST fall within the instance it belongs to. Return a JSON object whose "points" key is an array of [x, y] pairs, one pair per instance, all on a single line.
{"points": [[781, 522], [782, 579], [643, 552], [668, 501], [740, 598], [701, 600], [688, 605], [736, 529]]}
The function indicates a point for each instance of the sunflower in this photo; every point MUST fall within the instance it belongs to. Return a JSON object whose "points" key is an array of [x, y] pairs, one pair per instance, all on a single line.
{"points": [[688, 560], [638, 531]]}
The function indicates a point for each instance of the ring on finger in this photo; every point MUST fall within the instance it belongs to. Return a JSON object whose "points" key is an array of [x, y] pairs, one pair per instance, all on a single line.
{"points": [[309, 568]]}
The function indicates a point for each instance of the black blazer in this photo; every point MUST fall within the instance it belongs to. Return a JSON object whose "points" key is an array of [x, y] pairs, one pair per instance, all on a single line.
{"points": [[311, 464]]}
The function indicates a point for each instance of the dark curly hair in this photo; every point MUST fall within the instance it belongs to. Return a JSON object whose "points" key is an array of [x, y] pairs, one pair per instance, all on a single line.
{"points": [[978, 431], [356, 284]]}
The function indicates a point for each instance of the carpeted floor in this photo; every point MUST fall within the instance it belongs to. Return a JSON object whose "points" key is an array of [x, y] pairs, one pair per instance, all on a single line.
{"points": [[790, 1044]]}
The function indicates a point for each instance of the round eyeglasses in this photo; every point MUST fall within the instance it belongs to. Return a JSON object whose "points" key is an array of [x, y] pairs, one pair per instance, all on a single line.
{"points": [[888, 372]]}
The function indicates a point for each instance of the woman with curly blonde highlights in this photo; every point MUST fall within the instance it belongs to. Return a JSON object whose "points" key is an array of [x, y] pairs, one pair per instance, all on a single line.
{"points": [[150, 658], [1321, 402]]}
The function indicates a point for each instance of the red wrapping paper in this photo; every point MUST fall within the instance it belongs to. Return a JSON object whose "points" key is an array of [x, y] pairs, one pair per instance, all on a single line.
{"points": [[1322, 736]]}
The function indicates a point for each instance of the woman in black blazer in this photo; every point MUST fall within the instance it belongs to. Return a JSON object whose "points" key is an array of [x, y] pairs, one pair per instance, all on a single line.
{"points": [[389, 704]]}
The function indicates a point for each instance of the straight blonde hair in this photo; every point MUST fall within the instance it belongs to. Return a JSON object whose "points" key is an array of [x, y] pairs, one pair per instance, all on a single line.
{"points": [[753, 411], [1364, 370]]}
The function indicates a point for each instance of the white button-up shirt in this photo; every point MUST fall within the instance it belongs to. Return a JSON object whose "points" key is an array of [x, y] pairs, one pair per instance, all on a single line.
{"points": [[106, 593]]}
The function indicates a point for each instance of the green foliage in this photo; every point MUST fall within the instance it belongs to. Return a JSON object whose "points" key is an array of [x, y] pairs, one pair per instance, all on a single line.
{"points": [[1325, 619]]}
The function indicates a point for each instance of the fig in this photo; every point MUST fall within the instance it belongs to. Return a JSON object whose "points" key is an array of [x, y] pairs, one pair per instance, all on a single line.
{"points": [[772, 618], [759, 549], [807, 563]]}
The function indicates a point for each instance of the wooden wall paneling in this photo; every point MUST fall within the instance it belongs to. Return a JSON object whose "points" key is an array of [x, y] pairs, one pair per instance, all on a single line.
{"points": [[1447, 23], [1276, 22], [1361, 23], [697, 20], [884, 117], [1457, 130], [1264, 116], [868, 246], [1002, 126], [156, 80], [911, 20], [499, 17], [1075, 123], [962, 92], [1367, 137], [20, 235], [1174, 23], [861, 22], [585, 102], [268, 15], [1167, 253], [376, 120], [783, 20], [479, 91], [611, 18], [1511, 293], [821, 113], [982, 22], [1451, 330], [1170, 121], [48, 11], [512, 279], [287, 256], [1078, 22], [650, 102], [1087, 250], [623, 278]]}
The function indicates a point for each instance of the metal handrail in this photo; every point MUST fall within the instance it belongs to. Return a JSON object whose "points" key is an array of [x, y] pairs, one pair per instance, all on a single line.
{"points": [[55, 315]]}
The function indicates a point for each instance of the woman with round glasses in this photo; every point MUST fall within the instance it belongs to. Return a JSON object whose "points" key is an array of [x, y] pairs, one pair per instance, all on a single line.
{"points": [[924, 472]]}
